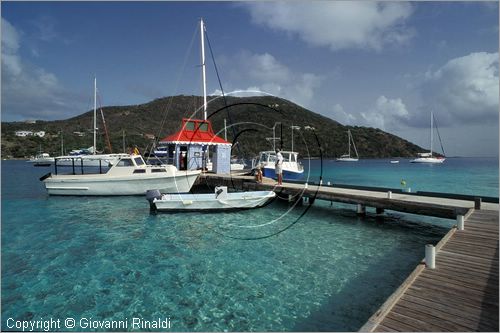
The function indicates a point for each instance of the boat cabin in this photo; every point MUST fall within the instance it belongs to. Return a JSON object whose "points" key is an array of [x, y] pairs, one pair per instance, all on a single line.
{"points": [[192, 146], [269, 157]]}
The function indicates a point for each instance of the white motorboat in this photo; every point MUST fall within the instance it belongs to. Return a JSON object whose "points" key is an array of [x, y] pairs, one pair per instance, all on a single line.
{"points": [[428, 157], [347, 157], [130, 176], [394, 161], [217, 201], [292, 169], [42, 159]]}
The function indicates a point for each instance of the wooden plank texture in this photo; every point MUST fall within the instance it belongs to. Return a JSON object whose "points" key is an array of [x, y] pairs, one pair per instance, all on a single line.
{"points": [[460, 294]]}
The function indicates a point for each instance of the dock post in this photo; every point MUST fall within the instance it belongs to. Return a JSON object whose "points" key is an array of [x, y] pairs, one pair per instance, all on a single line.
{"points": [[477, 203], [361, 210], [460, 222], [430, 256], [389, 195]]}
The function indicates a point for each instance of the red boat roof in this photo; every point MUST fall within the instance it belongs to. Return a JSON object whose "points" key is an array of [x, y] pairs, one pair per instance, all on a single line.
{"points": [[195, 131]]}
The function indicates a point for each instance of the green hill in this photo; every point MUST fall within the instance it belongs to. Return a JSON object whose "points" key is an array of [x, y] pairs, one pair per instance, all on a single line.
{"points": [[253, 116]]}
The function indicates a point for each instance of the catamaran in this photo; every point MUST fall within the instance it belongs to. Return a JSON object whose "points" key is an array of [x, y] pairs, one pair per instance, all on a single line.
{"points": [[347, 157], [428, 157]]}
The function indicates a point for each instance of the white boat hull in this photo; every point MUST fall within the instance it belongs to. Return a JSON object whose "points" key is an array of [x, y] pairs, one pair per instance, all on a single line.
{"points": [[100, 184], [210, 202], [431, 160], [347, 159]]}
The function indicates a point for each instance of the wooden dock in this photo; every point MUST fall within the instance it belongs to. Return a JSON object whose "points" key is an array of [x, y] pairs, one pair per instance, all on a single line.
{"points": [[460, 294], [402, 202]]}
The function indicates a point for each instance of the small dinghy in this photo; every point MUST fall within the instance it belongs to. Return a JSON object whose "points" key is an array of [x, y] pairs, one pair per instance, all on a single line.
{"points": [[217, 201]]}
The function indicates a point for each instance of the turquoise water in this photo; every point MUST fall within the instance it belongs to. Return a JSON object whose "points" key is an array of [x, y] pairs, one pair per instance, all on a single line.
{"points": [[477, 176], [109, 259]]}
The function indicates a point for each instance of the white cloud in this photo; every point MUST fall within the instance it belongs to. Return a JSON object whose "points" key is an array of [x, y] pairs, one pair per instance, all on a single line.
{"points": [[465, 89], [29, 91], [387, 113], [337, 24], [264, 73], [339, 114]]}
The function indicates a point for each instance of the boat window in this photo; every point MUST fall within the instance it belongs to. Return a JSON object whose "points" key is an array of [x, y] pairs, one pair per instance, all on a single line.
{"points": [[203, 127], [189, 126], [293, 158], [124, 162], [158, 170], [139, 161], [139, 171]]}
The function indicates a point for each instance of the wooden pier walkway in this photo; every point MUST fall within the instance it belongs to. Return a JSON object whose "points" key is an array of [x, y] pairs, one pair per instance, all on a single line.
{"points": [[402, 202], [460, 294]]}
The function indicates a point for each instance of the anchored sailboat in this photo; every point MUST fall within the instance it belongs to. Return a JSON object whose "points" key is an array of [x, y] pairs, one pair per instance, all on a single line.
{"points": [[428, 157], [82, 156], [347, 157]]}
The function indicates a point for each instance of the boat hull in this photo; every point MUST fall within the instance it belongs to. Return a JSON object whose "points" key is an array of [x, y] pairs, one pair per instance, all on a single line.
{"points": [[100, 185], [209, 202], [287, 174], [428, 160], [347, 159]]}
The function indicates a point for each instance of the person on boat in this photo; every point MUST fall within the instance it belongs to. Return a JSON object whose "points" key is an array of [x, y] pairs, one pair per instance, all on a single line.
{"points": [[278, 167]]}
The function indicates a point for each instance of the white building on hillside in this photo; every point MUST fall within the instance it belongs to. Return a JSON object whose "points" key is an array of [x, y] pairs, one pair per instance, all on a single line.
{"points": [[24, 133]]}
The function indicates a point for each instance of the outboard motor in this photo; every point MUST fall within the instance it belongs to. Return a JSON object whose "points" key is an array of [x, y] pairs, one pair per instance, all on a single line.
{"points": [[220, 192], [151, 195]]}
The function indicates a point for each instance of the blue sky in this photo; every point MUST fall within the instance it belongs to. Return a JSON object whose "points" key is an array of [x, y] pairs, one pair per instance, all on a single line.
{"points": [[379, 64]]}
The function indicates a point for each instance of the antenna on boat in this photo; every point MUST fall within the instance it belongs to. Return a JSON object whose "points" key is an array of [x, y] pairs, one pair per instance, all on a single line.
{"points": [[204, 75]]}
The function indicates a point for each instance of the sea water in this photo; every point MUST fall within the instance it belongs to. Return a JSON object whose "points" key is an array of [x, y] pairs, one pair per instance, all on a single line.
{"points": [[278, 268]]}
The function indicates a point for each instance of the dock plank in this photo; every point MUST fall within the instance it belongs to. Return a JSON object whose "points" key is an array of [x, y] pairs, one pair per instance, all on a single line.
{"points": [[460, 294]]}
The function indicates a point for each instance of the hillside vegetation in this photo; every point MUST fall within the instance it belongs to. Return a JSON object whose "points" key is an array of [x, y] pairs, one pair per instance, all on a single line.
{"points": [[252, 119]]}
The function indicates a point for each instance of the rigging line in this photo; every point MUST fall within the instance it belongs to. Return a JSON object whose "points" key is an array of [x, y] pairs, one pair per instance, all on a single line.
{"points": [[177, 83], [222, 89], [108, 142], [439, 136]]}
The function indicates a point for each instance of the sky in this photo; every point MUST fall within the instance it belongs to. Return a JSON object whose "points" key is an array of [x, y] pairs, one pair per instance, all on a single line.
{"points": [[378, 64]]}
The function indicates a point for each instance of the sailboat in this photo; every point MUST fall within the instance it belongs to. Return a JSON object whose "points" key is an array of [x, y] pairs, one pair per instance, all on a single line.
{"points": [[41, 159], [88, 157], [347, 157], [428, 157]]}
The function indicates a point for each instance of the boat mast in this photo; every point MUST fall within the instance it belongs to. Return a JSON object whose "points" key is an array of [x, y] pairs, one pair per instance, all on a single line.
{"points": [[225, 131], [349, 141], [204, 75], [431, 132], [95, 110]]}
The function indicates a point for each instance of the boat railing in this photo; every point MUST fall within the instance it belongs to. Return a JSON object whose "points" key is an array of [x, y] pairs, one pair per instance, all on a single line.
{"points": [[75, 164]]}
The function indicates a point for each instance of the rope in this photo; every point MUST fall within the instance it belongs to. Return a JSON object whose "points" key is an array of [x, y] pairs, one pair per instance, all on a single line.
{"points": [[170, 100], [439, 136]]}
